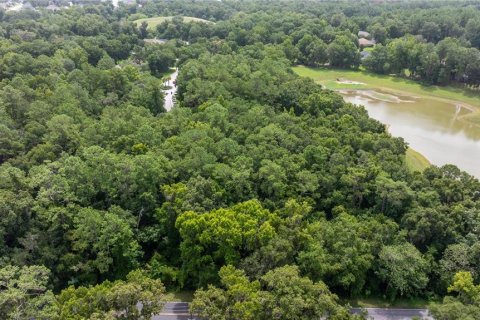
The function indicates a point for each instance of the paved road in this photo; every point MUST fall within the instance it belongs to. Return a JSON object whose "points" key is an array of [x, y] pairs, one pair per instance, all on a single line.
{"points": [[174, 311], [170, 93], [179, 311], [394, 314]]}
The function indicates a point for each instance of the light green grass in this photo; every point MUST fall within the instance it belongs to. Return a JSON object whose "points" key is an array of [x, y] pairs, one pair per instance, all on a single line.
{"points": [[184, 296], [333, 85], [373, 302], [327, 77], [416, 161], [155, 21]]}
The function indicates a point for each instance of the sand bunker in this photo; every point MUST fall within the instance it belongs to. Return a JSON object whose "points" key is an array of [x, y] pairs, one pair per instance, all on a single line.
{"points": [[376, 95], [345, 81]]}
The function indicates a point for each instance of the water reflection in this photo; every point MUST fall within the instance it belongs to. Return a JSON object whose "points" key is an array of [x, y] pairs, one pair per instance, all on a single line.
{"points": [[429, 126]]}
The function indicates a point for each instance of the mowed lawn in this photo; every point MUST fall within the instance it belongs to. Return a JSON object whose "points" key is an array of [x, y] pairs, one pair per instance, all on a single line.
{"points": [[328, 78], [185, 296], [416, 161], [155, 21], [377, 302]]}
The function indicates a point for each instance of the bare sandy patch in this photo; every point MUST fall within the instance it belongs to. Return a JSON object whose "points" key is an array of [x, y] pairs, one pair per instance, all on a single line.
{"points": [[376, 95], [346, 81]]}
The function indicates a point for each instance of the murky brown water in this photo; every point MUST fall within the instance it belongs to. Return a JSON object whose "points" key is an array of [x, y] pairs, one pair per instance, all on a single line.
{"points": [[429, 126]]}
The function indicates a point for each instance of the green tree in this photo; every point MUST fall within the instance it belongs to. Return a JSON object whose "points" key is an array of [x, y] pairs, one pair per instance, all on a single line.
{"points": [[463, 284], [89, 25], [472, 32], [111, 300], [378, 60], [239, 299], [403, 269], [104, 242], [160, 60], [339, 253], [452, 309], [24, 293], [393, 197], [465, 306], [287, 295], [280, 294], [313, 50], [342, 52], [63, 133], [379, 33], [316, 53], [106, 62], [219, 237], [143, 30], [431, 31], [429, 227]]}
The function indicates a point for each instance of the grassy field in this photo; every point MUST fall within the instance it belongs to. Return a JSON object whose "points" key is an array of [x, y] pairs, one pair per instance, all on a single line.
{"points": [[186, 296], [154, 21], [372, 302], [416, 161], [328, 78]]}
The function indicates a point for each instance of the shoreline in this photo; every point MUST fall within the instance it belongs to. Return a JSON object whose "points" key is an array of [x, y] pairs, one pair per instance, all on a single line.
{"points": [[473, 111], [418, 91]]}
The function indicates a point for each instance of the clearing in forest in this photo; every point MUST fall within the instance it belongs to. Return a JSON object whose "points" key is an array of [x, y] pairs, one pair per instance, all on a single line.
{"points": [[155, 21], [341, 79]]}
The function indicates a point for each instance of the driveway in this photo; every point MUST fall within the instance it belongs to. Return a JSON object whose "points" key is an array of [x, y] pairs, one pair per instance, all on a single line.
{"points": [[170, 93]]}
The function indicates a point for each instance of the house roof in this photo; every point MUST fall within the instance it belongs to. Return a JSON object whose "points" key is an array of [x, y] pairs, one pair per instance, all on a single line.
{"points": [[363, 34], [52, 7], [365, 42], [155, 41]]}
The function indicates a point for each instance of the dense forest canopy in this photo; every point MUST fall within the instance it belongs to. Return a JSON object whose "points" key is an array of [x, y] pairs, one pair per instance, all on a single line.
{"points": [[257, 188]]}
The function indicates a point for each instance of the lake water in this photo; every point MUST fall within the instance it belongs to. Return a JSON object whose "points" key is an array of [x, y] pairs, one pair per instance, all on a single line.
{"points": [[430, 127]]}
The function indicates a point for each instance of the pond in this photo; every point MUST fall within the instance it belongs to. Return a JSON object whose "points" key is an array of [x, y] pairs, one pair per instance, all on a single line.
{"points": [[432, 127]]}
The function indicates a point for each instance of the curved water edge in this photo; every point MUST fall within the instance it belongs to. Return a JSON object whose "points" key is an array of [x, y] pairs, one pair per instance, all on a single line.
{"points": [[433, 128], [171, 85]]}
